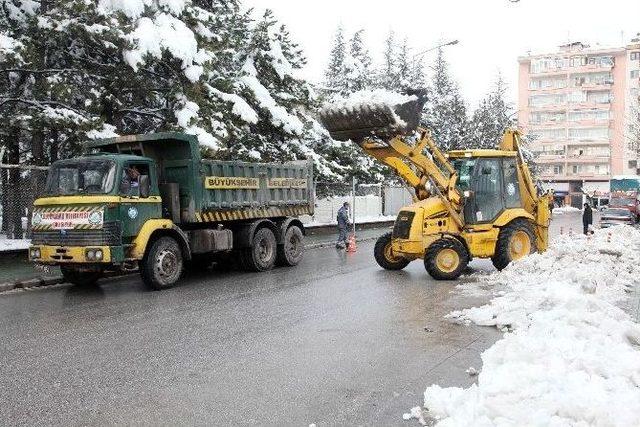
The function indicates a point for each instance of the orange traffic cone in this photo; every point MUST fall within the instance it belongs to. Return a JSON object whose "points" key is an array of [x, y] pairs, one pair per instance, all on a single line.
{"points": [[351, 243]]}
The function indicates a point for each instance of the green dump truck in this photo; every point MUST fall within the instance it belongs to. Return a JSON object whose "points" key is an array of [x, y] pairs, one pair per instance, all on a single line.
{"points": [[151, 202]]}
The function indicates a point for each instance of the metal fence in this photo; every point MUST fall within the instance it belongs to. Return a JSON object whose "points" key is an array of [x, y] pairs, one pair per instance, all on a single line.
{"points": [[19, 186], [369, 202]]}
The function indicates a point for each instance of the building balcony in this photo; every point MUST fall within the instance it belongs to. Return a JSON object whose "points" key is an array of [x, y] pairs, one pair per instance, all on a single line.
{"points": [[571, 177], [577, 159], [550, 158]]}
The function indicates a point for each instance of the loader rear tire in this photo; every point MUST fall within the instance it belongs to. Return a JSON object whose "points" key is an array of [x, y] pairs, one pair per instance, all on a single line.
{"points": [[384, 256], [446, 259], [516, 240]]}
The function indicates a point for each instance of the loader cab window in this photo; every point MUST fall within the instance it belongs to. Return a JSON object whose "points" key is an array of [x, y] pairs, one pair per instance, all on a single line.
{"points": [[487, 190], [464, 169], [130, 181], [511, 184]]}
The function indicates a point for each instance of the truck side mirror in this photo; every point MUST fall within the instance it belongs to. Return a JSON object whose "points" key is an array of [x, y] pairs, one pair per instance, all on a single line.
{"points": [[145, 186]]}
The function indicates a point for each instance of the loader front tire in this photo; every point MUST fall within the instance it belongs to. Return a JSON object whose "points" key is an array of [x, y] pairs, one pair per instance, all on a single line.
{"points": [[446, 259], [384, 255], [516, 240]]}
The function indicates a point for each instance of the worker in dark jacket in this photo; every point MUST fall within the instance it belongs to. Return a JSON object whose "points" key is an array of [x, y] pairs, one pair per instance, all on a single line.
{"points": [[587, 217], [343, 225]]}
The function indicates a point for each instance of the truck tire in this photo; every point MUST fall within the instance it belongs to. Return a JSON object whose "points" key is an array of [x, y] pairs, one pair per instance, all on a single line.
{"points": [[262, 254], [291, 252], [516, 240], [163, 264], [384, 256], [76, 277], [446, 259]]}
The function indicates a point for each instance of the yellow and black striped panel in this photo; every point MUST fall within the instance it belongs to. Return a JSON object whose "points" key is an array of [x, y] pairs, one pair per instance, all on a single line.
{"points": [[239, 214]]}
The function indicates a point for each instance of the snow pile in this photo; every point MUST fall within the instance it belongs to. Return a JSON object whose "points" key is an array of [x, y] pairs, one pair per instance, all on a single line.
{"points": [[573, 356], [13, 244], [566, 209]]}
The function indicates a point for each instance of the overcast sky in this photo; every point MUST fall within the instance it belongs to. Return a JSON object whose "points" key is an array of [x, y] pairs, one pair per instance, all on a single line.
{"points": [[492, 33]]}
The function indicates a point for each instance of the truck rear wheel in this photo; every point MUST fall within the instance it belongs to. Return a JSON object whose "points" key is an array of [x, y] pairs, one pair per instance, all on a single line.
{"points": [[516, 240], [78, 277], [163, 264], [261, 256], [384, 255], [446, 259], [291, 252]]}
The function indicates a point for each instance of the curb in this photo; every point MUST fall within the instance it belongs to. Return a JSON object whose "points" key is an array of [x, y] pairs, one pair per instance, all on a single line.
{"points": [[30, 283]]}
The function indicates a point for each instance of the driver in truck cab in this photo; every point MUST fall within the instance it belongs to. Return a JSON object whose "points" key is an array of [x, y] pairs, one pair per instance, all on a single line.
{"points": [[130, 184]]}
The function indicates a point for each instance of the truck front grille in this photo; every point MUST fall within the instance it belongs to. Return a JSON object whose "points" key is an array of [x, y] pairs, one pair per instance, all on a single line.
{"points": [[402, 227], [109, 235]]}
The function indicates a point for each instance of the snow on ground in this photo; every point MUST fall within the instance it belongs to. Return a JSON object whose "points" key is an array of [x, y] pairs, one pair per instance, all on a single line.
{"points": [[570, 356], [566, 209], [13, 244]]}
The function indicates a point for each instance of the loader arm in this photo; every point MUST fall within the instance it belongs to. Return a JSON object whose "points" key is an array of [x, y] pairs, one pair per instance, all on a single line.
{"points": [[400, 156], [537, 205]]}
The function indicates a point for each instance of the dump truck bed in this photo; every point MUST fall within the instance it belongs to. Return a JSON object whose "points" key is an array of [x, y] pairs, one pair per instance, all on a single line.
{"points": [[196, 190], [239, 190]]}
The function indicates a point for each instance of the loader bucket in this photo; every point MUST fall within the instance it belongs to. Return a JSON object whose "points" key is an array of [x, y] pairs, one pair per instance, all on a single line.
{"points": [[378, 121]]}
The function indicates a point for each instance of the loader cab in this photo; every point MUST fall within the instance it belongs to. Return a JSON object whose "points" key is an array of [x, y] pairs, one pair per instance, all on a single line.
{"points": [[488, 181]]}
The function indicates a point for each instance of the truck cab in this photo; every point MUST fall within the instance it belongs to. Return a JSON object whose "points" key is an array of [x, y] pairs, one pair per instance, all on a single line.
{"points": [[91, 212]]}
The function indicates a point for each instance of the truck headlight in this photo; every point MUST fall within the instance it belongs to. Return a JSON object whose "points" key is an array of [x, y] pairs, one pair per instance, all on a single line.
{"points": [[91, 255], [35, 253], [98, 254]]}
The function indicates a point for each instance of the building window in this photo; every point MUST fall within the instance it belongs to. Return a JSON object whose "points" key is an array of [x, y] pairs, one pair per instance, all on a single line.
{"points": [[635, 74], [589, 133], [635, 56]]}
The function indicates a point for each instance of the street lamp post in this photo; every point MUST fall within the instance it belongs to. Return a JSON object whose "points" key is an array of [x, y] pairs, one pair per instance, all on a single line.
{"points": [[450, 43]]}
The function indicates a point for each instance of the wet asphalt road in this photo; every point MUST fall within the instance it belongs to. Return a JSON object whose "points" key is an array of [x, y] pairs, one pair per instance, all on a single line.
{"points": [[334, 341]]}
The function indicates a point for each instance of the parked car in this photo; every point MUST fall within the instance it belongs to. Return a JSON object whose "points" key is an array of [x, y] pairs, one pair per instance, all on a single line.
{"points": [[616, 216]]}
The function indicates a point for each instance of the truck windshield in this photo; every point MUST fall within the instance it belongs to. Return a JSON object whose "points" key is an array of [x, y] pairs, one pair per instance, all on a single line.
{"points": [[81, 177]]}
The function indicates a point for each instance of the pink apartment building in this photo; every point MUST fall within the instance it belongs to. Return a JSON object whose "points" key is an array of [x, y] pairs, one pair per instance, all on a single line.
{"points": [[576, 104]]}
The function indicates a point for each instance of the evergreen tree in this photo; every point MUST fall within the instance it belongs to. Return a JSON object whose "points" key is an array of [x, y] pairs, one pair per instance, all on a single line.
{"points": [[493, 116], [387, 78], [358, 65], [334, 78], [445, 113]]}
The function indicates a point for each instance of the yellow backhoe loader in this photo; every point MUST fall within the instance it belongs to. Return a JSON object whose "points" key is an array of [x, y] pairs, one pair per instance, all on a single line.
{"points": [[467, 203]]}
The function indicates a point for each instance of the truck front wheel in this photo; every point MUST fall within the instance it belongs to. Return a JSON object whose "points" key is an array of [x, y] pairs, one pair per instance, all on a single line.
{"points": [[163, 264], [261, 256], [77, 277]]}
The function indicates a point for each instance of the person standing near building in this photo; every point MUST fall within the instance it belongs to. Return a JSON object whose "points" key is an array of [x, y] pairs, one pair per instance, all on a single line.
{"points": [[343, 225], [587, 217]]}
